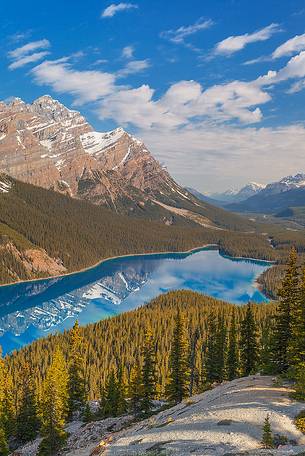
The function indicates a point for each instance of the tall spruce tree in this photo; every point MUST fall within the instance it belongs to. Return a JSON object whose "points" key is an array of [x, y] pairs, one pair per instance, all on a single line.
{"points": [[136, 390], [54, 406], [288, 298], [248, 343], [111, 398], [221, 349], [210, 360], [27, 422], [76, 364], [178, 384], [4, 449], [296, 347], [233, 358], [148, 371]]}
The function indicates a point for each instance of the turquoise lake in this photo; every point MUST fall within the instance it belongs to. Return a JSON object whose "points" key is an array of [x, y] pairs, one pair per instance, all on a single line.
{"points": [[35, 309]]}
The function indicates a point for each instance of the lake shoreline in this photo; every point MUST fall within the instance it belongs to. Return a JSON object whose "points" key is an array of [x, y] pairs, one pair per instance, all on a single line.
{"points": [[195, 249], [88, 268]]}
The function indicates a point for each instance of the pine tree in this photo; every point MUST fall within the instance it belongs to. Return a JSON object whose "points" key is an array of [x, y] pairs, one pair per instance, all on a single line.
{"points": [[297, 341], [54, 406], [9, 406], [27, 422], [248, 343], [148, 372], [300, 382], [211, 374], [289, 296], [267, 439], [87, 414], [111, 402], [136, 390], [4, 449], [232, 360], [121, 392], [177, 387], [221, 349], [76, 363]]}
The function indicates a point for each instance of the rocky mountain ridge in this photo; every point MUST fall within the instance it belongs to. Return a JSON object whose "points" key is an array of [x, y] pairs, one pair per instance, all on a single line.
{"points": [[49, 145]]}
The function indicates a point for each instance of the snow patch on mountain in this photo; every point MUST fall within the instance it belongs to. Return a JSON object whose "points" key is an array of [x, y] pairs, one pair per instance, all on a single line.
{"points": [[5, 185], [95, 142]]}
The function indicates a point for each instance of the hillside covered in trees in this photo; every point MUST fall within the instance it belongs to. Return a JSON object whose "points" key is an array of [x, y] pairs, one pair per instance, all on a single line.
{"points": [[75, 234]]}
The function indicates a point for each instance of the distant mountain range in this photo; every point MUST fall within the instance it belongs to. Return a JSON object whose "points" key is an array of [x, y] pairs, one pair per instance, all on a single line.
{"points": [[275, 197], [235, 196]]}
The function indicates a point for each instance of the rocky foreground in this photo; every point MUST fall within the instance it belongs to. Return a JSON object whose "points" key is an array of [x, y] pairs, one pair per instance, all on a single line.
{"points": [[225, 421]]}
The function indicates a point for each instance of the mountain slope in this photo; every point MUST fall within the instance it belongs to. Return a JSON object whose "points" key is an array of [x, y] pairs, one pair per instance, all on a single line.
{"points": [[68, 234], [49, 145], [271, 203]]}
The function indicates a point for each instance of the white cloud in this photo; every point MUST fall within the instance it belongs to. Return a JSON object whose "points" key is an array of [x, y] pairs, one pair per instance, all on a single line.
{"points": [[132, 67], [29, 47], [291, 46], [25, 54], [113, 9], [178, 36], [128, 52], [185, 102], [295, 68], [85, 86], [233, 44], [213, 158], [28, 59]]}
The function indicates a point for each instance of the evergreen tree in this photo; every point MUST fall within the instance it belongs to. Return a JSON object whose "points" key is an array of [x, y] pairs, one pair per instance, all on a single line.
{"points": [[27, 422], [177, 387], [289, 296], [4, 449], [148, 372], [221, 349], [267, 439], [193, 355], [87, 414], [121, 392], [297, 340], [111, 402], [54, 406], [76, 363], [300, 381], [9, 406], [211, 373], [248, 343], [232, 360], [136, 390]]}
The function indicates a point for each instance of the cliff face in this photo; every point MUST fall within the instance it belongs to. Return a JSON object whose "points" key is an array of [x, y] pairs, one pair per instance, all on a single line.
{"points": [[49, 145]]}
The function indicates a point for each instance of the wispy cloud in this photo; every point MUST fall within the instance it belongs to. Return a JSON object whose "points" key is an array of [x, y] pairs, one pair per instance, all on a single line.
{"points": [[236, 43], [178, 36], [134, 66], [25, 54], [128, 52], [114, 8], [28, 59], [85, 86], [291, 46]]}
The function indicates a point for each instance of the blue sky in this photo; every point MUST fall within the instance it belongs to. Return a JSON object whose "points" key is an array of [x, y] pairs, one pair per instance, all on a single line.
{"points": [[215, 88]]}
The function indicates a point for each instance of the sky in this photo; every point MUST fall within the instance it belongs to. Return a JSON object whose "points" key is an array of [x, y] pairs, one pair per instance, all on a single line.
{"points": [[215, 88]]}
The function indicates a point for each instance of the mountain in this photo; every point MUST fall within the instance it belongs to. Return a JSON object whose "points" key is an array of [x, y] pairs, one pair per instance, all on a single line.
{"points": [[206, 198], [275, 197], [48, 145], [245, 192]]}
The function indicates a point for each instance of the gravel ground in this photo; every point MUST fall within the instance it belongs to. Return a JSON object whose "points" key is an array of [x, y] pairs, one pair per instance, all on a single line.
{"points": [[226, 420]]}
